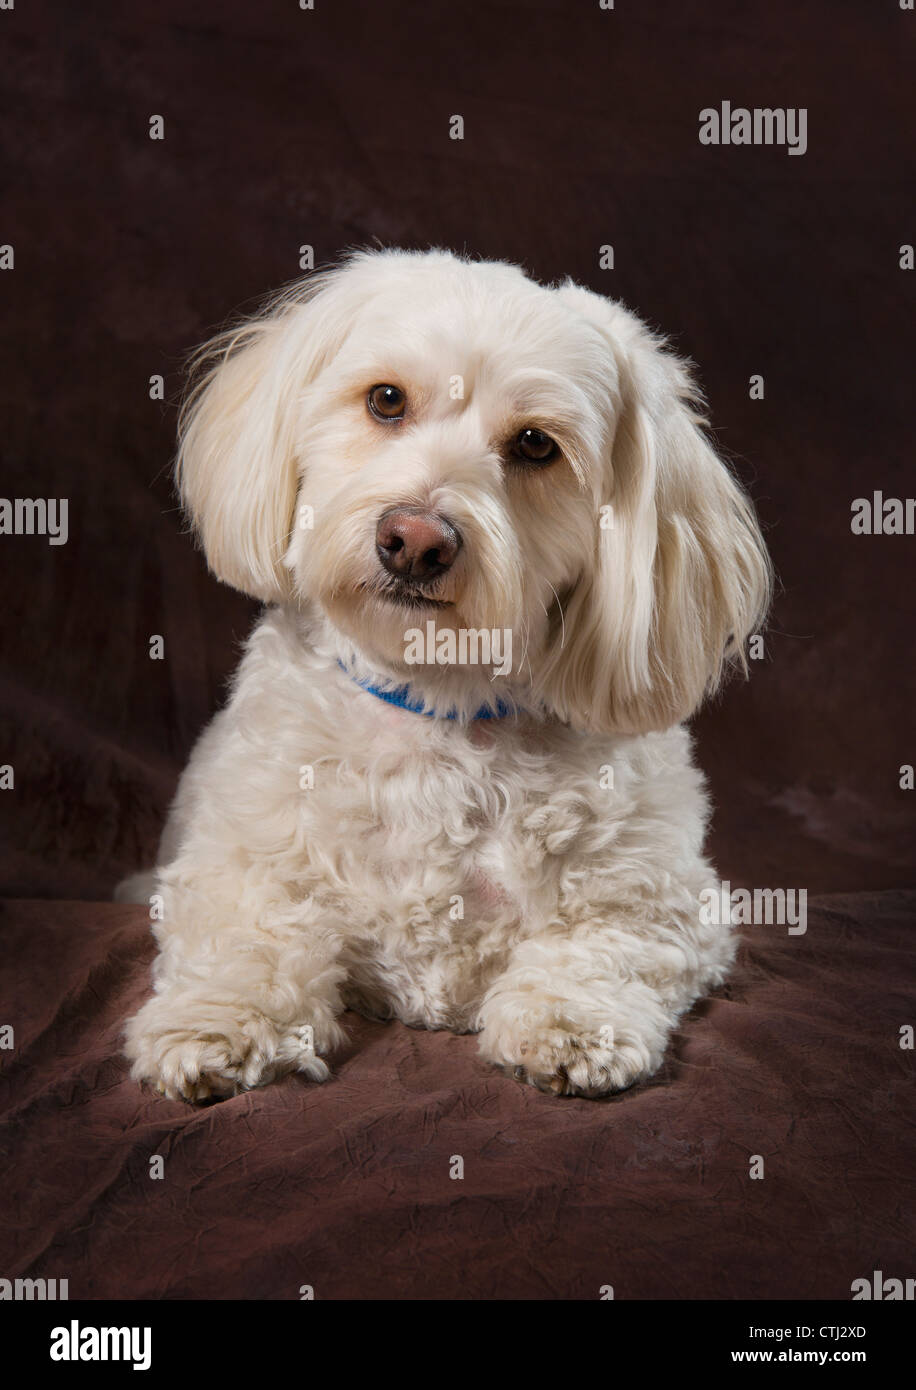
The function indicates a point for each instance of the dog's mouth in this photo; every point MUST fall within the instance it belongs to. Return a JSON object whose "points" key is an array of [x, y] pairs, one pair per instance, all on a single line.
{"points": [[404, 594]]}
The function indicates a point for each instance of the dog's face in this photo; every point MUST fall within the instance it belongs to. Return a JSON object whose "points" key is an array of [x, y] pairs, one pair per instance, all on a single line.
{"points": [[414, 437]]}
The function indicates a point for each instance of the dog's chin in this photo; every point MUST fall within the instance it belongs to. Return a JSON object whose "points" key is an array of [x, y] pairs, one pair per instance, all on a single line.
{"points": [[378, 616]]}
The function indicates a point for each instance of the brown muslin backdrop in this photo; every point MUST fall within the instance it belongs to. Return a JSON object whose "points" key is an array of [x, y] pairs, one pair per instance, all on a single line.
{"points": [[331, 128]]}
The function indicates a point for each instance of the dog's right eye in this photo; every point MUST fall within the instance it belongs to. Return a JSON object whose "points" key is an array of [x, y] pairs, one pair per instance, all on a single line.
{"points": [[387, 402]]}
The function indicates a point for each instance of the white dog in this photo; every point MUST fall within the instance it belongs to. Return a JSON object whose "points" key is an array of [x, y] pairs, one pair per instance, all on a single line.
{"points": [[417, 441]]}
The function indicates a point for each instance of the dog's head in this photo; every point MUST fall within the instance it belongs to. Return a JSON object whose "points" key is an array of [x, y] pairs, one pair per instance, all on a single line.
{"points": [[415, 437]]}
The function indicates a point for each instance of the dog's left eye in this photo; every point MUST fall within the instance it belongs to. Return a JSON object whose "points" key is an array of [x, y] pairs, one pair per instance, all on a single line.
{"points": [[534, 446], [387, 402]]}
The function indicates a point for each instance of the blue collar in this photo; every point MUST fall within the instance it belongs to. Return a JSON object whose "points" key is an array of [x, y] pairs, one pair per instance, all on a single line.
{"points": [[401, 698]]}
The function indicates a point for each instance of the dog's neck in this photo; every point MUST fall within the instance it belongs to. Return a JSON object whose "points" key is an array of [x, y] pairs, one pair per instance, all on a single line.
{"points": [[462, 694]]}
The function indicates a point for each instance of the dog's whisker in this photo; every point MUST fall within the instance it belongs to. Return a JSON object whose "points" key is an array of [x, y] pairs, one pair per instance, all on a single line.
{"points": [[527, 628], [562, 615]]}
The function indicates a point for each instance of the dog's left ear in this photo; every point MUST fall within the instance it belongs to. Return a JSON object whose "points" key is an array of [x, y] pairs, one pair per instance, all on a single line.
{"points": [[679, 575]]}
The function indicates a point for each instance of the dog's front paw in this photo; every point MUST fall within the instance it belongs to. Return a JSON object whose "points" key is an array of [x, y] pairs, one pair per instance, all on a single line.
{"points": [[543, 1047], [219, 1054]]}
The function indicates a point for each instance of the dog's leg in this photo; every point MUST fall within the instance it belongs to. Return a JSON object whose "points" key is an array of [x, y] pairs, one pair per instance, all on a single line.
{"points": [[590, 1010], [236, 1005]]}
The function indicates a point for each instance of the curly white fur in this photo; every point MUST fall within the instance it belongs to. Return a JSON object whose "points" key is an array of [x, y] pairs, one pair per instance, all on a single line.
{"points": [[535, 877]]}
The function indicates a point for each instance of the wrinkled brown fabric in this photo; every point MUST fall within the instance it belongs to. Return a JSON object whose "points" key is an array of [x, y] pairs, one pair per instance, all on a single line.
{"points": [[346, 1186]]}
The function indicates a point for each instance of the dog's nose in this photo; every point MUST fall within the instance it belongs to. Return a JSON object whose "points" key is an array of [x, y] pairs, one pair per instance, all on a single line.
{"points": [[416, 544]]}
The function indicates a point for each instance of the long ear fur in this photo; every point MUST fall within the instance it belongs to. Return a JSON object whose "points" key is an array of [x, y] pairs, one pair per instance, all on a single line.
{"points": [[237, 471], [681, 577]]}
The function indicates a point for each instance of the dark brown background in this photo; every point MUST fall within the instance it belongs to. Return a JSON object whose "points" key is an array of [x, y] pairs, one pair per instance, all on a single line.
{"points": [[331, 128]]}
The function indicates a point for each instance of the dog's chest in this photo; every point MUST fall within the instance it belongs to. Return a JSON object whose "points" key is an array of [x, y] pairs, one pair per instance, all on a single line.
{"points": [[432, 824]]}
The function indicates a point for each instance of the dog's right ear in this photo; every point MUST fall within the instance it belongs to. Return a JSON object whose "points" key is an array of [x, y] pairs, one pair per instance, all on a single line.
{"points": [[237, 470]]}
